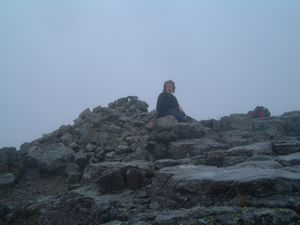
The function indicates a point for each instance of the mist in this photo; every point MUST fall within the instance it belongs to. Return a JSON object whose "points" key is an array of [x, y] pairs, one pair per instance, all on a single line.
{"points": [[58, 58]]}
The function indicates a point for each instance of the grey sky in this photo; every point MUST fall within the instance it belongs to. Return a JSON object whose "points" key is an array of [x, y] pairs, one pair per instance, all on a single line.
{"points": [[59, 57]]}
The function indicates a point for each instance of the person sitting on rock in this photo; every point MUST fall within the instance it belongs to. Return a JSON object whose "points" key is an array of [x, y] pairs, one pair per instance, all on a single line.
{"points": [[167, 103]]}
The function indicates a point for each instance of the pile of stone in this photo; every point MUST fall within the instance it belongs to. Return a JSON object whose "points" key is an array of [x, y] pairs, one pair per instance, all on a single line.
{"points": [[120, 165]]}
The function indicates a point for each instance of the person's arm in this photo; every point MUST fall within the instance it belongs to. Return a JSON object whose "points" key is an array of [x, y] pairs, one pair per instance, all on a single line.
{"points": [[178, 106], [180, 109]]}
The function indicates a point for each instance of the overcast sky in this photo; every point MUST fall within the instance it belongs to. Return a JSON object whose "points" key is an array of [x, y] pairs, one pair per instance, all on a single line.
{"points": [[58, 58]]}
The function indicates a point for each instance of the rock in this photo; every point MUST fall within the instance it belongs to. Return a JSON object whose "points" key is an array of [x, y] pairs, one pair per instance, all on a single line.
{"points": [[90, 147], [97, 109], [5, 211], [167, 133], [117, 179], [215, 158], [116, 222], [291, 159], [86, 132], [123, 149], [110, 155], [77, 208], [101, 138], [193, 147], [115, 176], [24, 148], [189, 130], [114, 129], [100, 154], [94, 171], [130, 103], [124, 166], [249, 150], [273, 127], [159, 164], [234, 122], [8, 156], [151, 124], [236, 138], [226, 215], [84, 113], [157, 151], [81, 159], [93, 160], [187, 185], [72, 173], [7, 180], [166, 123], [240, 154], [67, 139], [111, 180], [285, 147], [291, 121], [52, 158], [74, 146]]}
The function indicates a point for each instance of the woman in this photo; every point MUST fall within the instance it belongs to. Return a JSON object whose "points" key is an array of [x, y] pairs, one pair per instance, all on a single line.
{"points": [[167, 103]]}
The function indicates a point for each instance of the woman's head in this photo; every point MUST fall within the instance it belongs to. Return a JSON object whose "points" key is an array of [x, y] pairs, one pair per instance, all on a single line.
{"points": [[169, 86]]}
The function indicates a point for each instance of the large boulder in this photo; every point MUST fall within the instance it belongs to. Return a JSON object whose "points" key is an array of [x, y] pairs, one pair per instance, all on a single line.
{"points": [[169, 130], [79, 208], [241, 122], [51, 158], [8, 156], [166, 123], [115, 176], [271, 127], [7, 180], [236, 137], [291, 121]]}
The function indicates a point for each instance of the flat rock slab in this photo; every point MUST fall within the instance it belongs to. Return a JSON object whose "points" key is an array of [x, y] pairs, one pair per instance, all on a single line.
{"points": [[285, 147], [188, 185], [250, 150], [226, 216], [291, 159], [193, 147], [238, 154]]}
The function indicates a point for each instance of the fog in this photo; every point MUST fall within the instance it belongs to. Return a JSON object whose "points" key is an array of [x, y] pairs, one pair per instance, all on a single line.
{"points": [[58, 58]]}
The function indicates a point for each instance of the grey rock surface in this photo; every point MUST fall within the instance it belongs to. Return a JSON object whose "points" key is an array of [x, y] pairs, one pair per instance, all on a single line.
{"points": [[121, 165], [7, 180], [8, 156], [52, 158]]}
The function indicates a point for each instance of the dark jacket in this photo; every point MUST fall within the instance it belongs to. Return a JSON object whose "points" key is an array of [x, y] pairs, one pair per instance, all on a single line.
{"points": [[165, 102]]}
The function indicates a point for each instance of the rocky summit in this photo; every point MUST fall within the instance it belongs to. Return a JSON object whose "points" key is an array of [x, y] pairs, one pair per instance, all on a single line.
{"points": [[119, 165]]}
